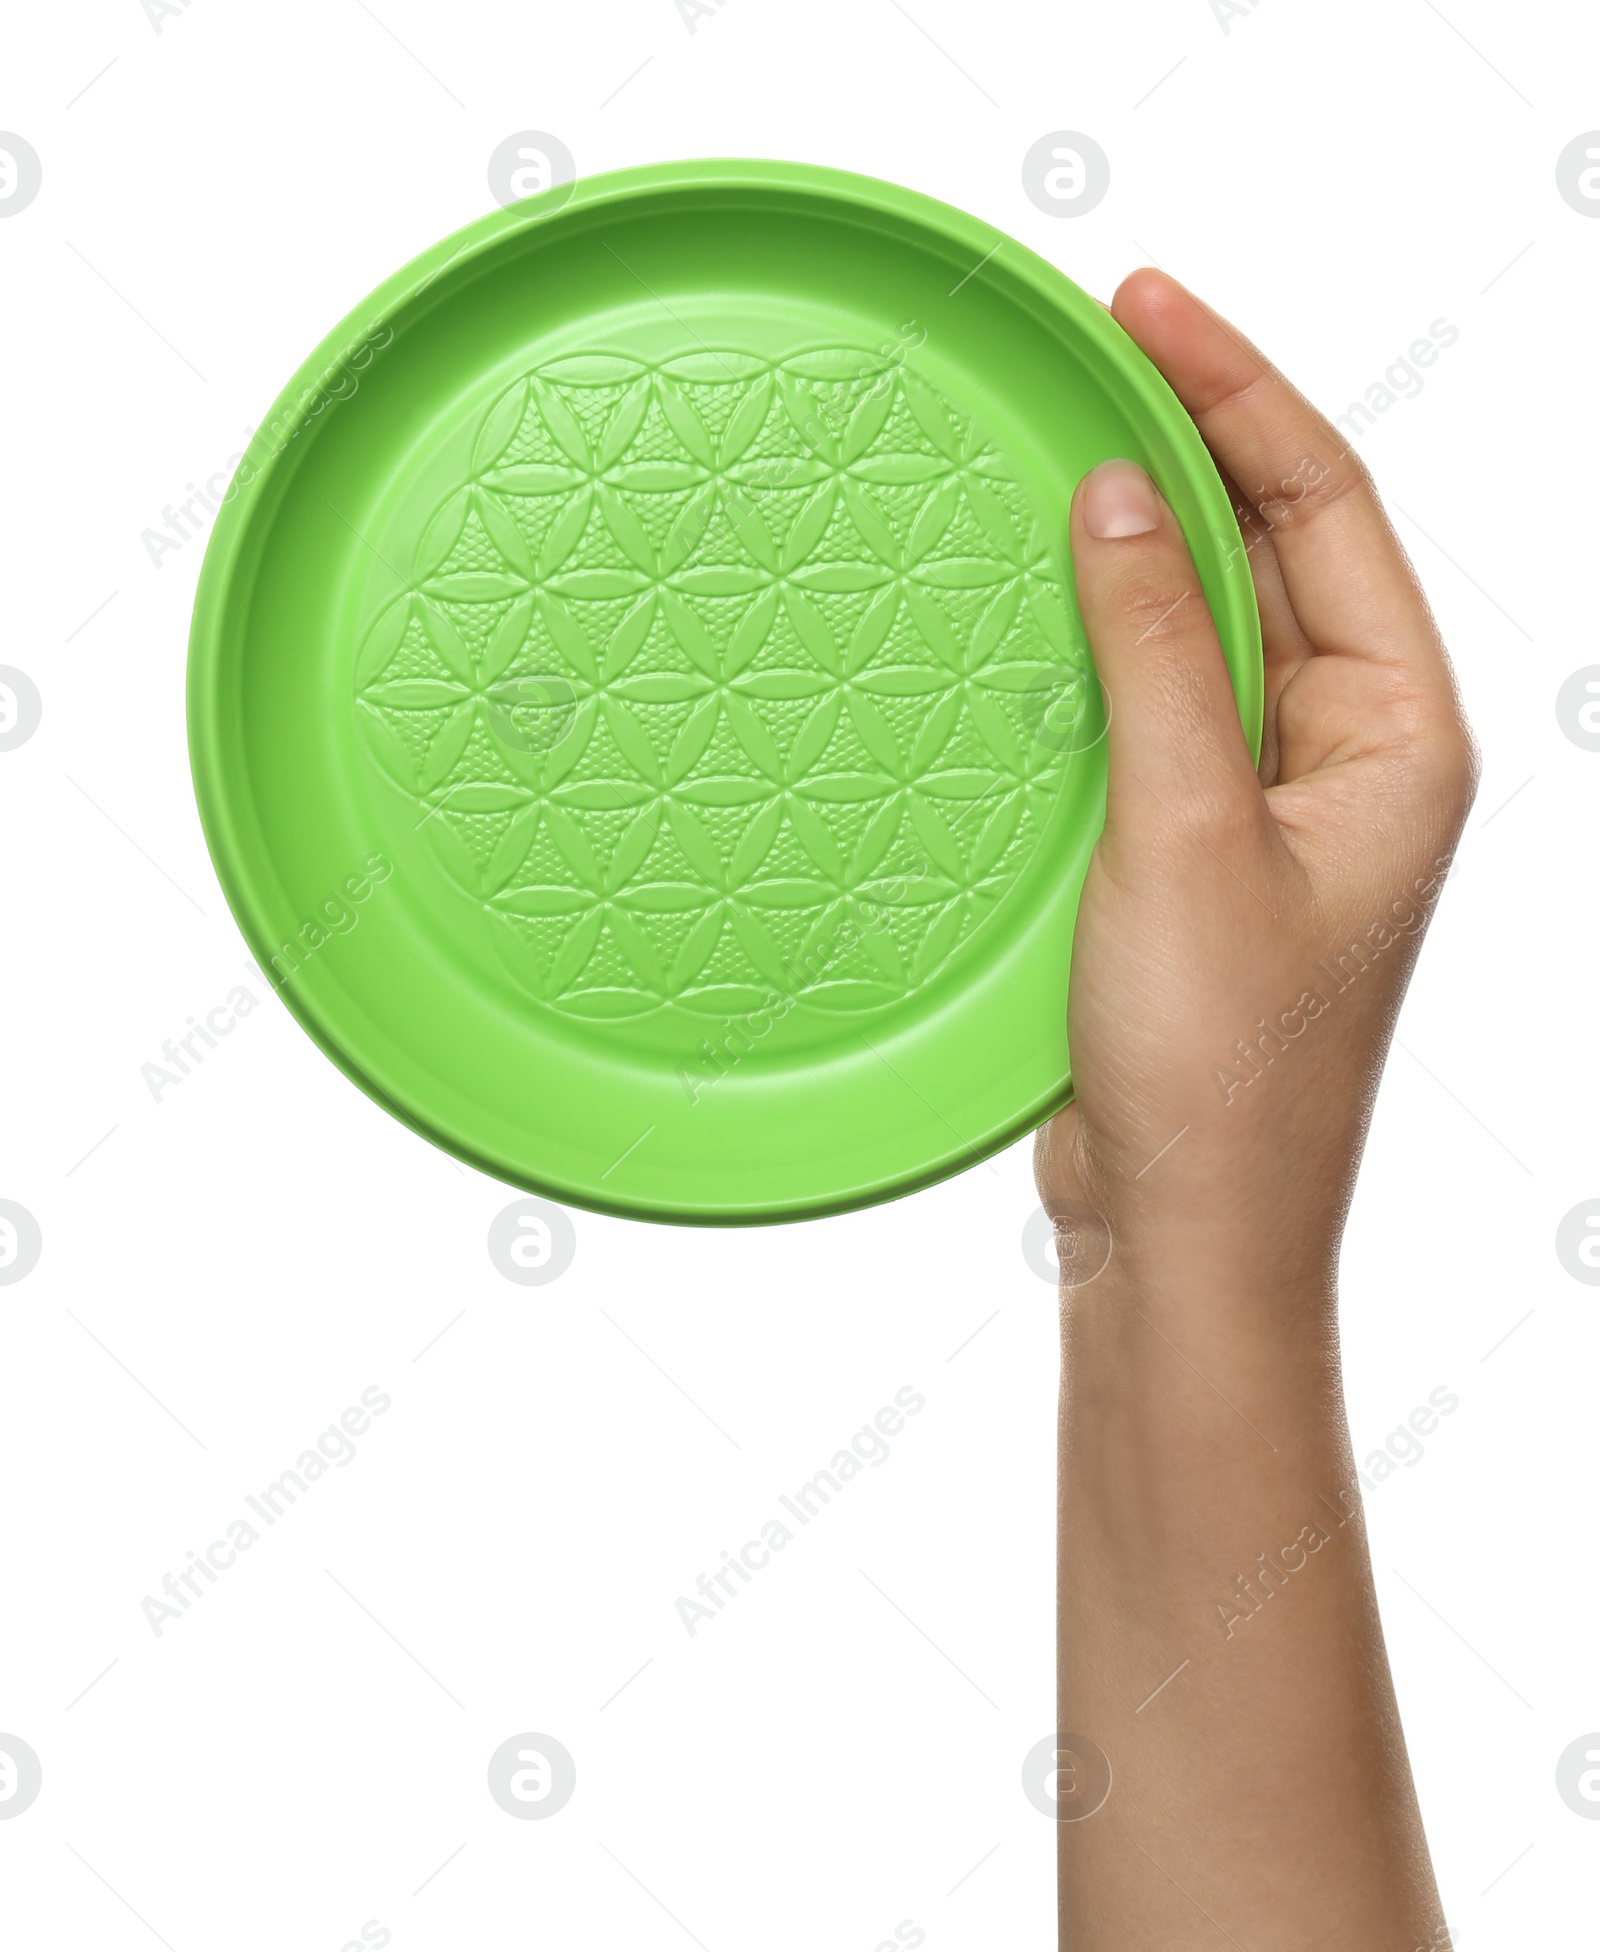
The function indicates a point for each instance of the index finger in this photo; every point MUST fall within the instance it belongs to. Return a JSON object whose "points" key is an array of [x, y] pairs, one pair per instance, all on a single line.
{"points": [[1353, 590]]}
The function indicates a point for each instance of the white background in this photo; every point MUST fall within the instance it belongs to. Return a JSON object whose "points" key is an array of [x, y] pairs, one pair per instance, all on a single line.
{"points": [[226, 1270]]}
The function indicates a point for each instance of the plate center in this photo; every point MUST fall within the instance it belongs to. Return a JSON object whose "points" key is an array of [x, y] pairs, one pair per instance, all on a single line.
{"points": [[732, 681]]}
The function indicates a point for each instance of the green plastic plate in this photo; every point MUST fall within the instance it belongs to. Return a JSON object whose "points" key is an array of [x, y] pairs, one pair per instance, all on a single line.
{"points": [[638, 706]]}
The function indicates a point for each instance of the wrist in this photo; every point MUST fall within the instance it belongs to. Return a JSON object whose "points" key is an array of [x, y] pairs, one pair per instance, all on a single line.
{"points": [[1216, 1268], [1210, 1227], [1174, 1371]]}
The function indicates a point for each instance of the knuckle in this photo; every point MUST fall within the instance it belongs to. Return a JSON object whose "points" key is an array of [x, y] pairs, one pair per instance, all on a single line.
{"points": [[1433, 730], [1313, 488], [1226, 823], [1454, 762]]}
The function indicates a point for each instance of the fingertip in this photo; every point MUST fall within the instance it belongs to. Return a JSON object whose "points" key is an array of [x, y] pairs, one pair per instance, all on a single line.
{"points": [[1202, 357], [1146, 292]]}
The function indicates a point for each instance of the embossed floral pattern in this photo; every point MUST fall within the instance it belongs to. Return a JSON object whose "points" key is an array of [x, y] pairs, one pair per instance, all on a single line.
{"points": [[790, 633]]}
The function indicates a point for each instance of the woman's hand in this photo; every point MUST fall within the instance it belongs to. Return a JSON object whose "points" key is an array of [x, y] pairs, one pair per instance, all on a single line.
{"points": [[1244, 940], [1243, 944]]}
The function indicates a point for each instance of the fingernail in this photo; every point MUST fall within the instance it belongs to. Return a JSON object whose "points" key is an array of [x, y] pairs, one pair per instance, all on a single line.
{"points": [[1119, 499]]}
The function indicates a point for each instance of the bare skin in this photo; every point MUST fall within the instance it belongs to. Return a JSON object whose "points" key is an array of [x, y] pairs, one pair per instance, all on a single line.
{"points": [[1208, 1509]]}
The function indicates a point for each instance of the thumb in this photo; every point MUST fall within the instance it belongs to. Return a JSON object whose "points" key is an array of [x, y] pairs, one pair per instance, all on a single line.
{"points": [[1176, 747]]}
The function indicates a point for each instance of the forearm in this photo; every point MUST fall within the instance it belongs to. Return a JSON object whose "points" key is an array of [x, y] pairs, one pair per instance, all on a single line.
{"points": [[1219, 1636]]}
